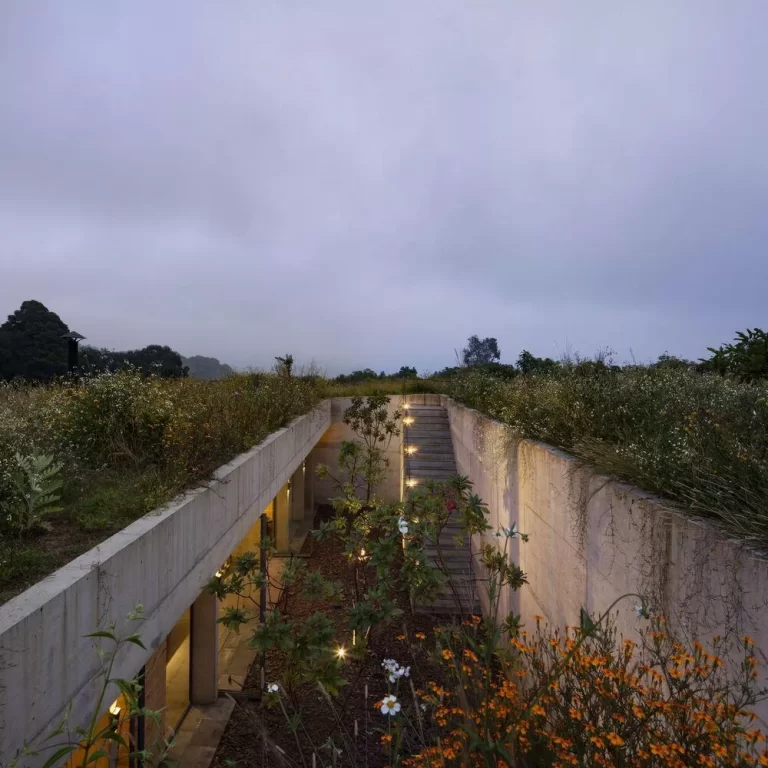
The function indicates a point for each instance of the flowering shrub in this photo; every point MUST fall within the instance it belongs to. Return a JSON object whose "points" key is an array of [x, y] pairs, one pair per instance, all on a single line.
{"points": [[583, 697], [701, 440]]}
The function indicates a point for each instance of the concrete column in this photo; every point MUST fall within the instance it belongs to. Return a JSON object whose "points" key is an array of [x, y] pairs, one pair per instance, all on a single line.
{"points": [[204, 663], [282, 524], [297, 495], [309, 486]]}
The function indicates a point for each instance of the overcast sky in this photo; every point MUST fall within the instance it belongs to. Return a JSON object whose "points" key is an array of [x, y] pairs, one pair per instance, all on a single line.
{"points": [[367, 184]]}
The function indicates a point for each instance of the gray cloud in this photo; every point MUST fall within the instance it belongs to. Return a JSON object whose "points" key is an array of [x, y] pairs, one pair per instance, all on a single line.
{"points": [[368, 184]]}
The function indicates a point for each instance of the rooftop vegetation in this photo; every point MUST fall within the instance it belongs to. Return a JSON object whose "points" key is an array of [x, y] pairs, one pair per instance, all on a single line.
{"points": [[118, 445], [354, 677], [698, 439]]}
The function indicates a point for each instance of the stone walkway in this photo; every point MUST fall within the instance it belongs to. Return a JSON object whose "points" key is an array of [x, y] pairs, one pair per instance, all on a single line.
{"points": [[429, 454]]}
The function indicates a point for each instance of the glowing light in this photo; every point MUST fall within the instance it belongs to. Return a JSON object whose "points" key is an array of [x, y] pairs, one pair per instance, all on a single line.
{"points": [[411, 482], [219, 573], [408, 420], [341, 652], [362, 553], [114, 710], [410, 450]]}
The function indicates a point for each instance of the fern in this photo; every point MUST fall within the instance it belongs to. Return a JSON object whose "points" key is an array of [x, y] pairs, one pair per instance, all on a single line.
{"points": [[38, 482]]}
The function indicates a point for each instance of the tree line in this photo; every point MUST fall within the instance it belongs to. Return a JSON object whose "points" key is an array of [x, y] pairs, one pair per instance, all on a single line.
{"points": [[33, 348]]}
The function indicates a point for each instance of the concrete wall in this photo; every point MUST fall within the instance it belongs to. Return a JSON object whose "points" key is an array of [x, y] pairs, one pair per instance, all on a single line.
{"points": [[162, 561], [593, 539], [327, 452]]}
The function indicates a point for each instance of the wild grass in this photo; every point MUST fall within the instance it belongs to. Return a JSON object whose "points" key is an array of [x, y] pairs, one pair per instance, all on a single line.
{"points": [[700, 440], [331, 388], [128, 444]]}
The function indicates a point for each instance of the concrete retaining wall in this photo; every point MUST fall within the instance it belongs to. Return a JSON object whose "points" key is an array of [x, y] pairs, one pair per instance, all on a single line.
{"points": [[162, 561], [593, 539]]}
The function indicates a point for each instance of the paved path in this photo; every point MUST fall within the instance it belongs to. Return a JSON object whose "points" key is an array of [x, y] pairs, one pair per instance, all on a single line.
{"points": [[430, 435]]}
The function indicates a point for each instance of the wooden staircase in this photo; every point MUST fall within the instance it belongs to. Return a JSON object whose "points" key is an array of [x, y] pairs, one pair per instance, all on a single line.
{"points": [[428, 454]]}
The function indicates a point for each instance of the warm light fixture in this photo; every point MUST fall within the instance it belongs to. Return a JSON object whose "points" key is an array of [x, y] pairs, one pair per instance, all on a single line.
{"points": [[410, 450], [341, 652], [406, 406], [411, 482], [408, 420]]}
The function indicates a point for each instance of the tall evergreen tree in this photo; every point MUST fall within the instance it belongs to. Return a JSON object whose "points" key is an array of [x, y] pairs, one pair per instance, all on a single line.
{"points": [[31, 344]]}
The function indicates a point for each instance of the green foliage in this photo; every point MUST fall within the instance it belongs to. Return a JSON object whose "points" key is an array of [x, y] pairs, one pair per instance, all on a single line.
{"points": [[153, 360], [38, 484], [284, 365], [701, 440], [528, 363], [31, 344], [129, 443], [363, 463], [480, 351], [746, 358]]}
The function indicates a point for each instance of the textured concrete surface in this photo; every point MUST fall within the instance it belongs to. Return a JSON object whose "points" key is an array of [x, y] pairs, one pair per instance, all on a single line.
{"points": [[162, 561], [594, 539]]}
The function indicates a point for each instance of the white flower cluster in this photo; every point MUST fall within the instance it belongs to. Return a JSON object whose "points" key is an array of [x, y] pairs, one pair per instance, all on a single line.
{"points": [[394, 670], [402, 525]]}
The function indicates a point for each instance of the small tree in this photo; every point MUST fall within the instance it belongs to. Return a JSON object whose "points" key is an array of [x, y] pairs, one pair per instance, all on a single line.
{"points": [[746, 358], [528, 363], [479, 351], [284, 365]]}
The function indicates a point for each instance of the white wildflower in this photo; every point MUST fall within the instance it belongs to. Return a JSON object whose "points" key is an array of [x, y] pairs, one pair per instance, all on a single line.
{"points": [[390, 705], [402, 526], [273, 688]]}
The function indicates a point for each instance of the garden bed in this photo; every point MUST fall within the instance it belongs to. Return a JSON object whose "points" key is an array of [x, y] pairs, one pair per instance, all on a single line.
{"points": [[258, 735]]}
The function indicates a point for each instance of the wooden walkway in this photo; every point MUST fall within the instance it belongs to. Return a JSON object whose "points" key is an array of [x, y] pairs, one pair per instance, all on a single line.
{"points": [[429, 455]]}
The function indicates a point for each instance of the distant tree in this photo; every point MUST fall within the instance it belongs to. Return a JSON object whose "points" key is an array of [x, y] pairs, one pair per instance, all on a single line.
{"points": [[153, 360], [671, 361], [479, 351], [364, 375], [529, 363], [407, 372], [31, 344], [746, 358], [285, 365], [209, 368]]}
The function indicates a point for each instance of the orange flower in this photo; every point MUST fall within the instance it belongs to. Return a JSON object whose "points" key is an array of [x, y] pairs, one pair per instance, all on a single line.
{"points": [[447, 655], [420, 636], [615, 739]]}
